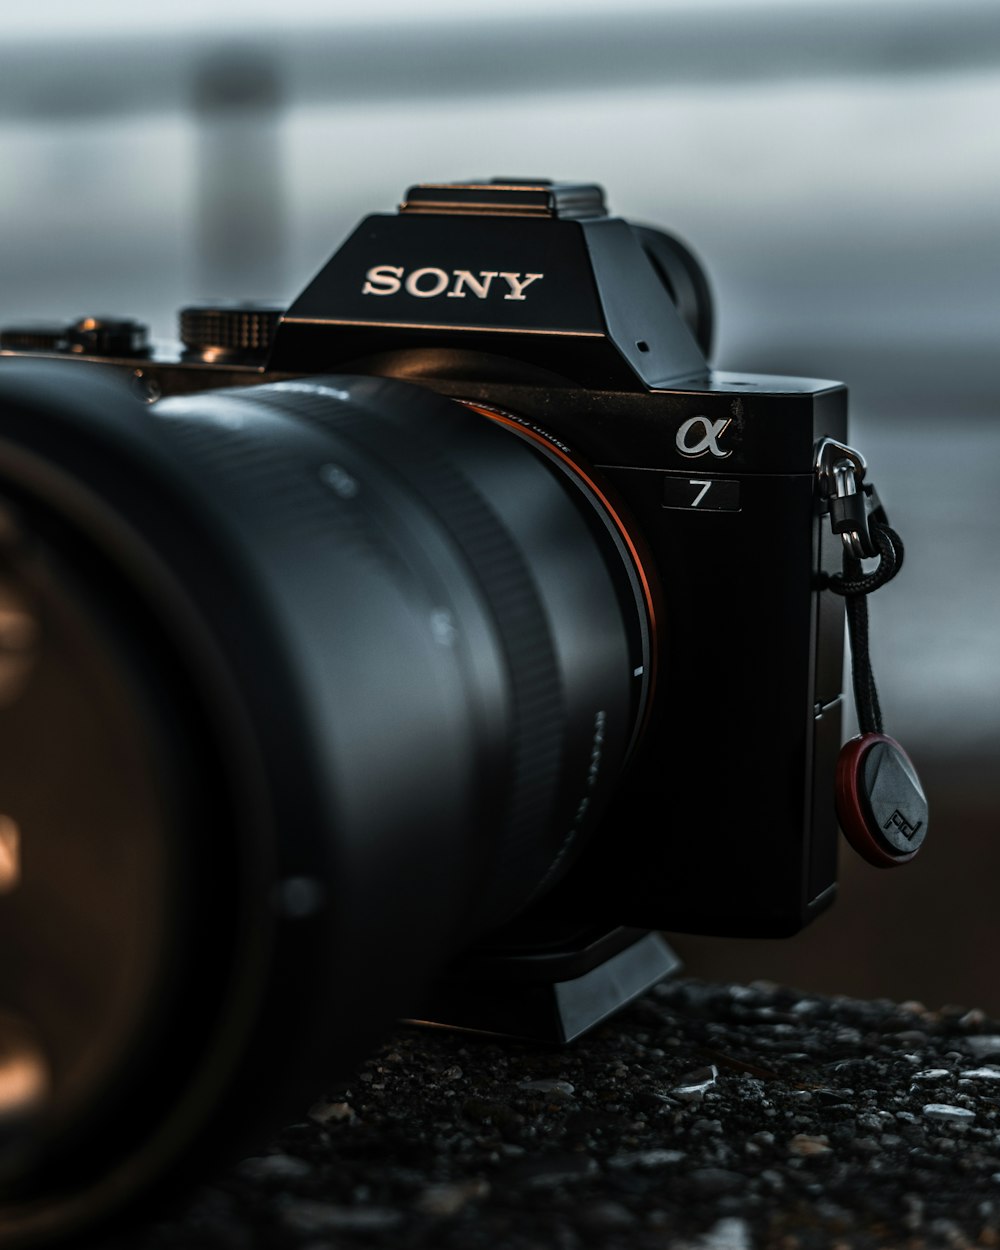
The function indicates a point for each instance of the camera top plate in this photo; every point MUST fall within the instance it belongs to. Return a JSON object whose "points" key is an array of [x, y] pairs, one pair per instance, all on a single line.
{"points": [[515, 270]]}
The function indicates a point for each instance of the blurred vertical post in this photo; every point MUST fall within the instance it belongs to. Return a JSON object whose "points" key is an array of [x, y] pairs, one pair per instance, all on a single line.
{"points": [[240, 209]]}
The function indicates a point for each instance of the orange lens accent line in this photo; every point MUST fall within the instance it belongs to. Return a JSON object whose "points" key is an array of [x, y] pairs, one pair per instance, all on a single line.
{"points": [[554, 450]]}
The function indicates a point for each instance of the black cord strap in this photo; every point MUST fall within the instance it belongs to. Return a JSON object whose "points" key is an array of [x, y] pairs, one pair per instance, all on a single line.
{"points": [[855, 585], [881, 806], [854, 581]]}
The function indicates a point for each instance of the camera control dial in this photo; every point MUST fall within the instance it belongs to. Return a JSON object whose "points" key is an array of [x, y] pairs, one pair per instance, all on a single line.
{"points": [[219, 332], [113, 337], [34, 336], [107, 336]]}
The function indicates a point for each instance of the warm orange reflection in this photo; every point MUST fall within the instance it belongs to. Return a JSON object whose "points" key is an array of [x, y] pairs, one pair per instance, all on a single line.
{"points": [[18, 639], [10, 854], [24, 1074]]}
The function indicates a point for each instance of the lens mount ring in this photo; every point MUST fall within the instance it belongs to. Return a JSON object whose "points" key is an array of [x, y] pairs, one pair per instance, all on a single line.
{"points": [[613, 512]]}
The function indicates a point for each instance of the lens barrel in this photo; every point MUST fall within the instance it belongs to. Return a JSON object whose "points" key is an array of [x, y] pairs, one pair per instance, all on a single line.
{"points": [[328, 678]]}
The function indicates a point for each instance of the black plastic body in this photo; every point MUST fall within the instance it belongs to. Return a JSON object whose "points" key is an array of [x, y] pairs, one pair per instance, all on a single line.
{"points": [[724, 822]]}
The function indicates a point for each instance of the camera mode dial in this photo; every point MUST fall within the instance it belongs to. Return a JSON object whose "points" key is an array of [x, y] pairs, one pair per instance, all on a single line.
{"points": [[218, 332]]}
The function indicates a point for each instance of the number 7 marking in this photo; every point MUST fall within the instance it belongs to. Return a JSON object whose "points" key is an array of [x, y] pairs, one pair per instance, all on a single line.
{"points": [[702, 493]]}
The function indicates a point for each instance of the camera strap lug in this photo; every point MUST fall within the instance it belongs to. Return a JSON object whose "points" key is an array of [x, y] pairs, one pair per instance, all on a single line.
{"points": [[880, 802], [851, 500]]}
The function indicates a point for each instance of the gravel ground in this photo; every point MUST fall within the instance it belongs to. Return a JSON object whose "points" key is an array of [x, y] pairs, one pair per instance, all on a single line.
{"points": [[705, 1117]]}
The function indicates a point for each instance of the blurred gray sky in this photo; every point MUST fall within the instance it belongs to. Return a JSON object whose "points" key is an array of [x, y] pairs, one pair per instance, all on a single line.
{"points": [[98, 20], [775, 135]]}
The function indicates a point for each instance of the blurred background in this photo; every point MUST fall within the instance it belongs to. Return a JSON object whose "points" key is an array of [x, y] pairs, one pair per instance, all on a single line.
{"points": [[836, 165]]}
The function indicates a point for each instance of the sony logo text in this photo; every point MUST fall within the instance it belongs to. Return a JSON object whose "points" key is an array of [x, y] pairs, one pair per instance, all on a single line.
{"points": [[429, 282]]}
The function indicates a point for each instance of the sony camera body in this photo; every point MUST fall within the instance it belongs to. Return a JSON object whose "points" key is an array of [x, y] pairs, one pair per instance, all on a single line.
{"points": [[526, 298]]}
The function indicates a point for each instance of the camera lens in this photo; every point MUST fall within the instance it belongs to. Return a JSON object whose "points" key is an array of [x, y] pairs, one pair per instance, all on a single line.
{"points": [[304, 687]]}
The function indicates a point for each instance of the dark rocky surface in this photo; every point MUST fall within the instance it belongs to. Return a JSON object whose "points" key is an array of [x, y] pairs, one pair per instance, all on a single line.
{"points": [[705, 1117]]}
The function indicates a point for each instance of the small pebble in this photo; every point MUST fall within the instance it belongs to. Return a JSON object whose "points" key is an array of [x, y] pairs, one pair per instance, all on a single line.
{"points": [[556, 1170], [717, 1180], [974, 1019], [646, 1159], [985, 1046], [327, 1112], [807, 1145], [728, 1234], [277, 1167], [562, 1088], [449, 1199], [608, 1215], [322, 1217], [696, 1084], [707, 1126], [942, 1111]]}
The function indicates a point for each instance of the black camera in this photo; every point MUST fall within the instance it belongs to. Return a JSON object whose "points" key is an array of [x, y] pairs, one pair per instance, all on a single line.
{"points": [[413, 651]]}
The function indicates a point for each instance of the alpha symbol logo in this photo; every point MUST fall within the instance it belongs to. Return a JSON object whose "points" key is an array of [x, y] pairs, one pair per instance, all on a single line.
{"points": [[429, 282], [699, 435]]}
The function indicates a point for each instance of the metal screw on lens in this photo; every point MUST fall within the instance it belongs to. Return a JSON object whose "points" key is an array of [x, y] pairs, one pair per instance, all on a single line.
{"points": [[339, 481], [145, 388]]}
